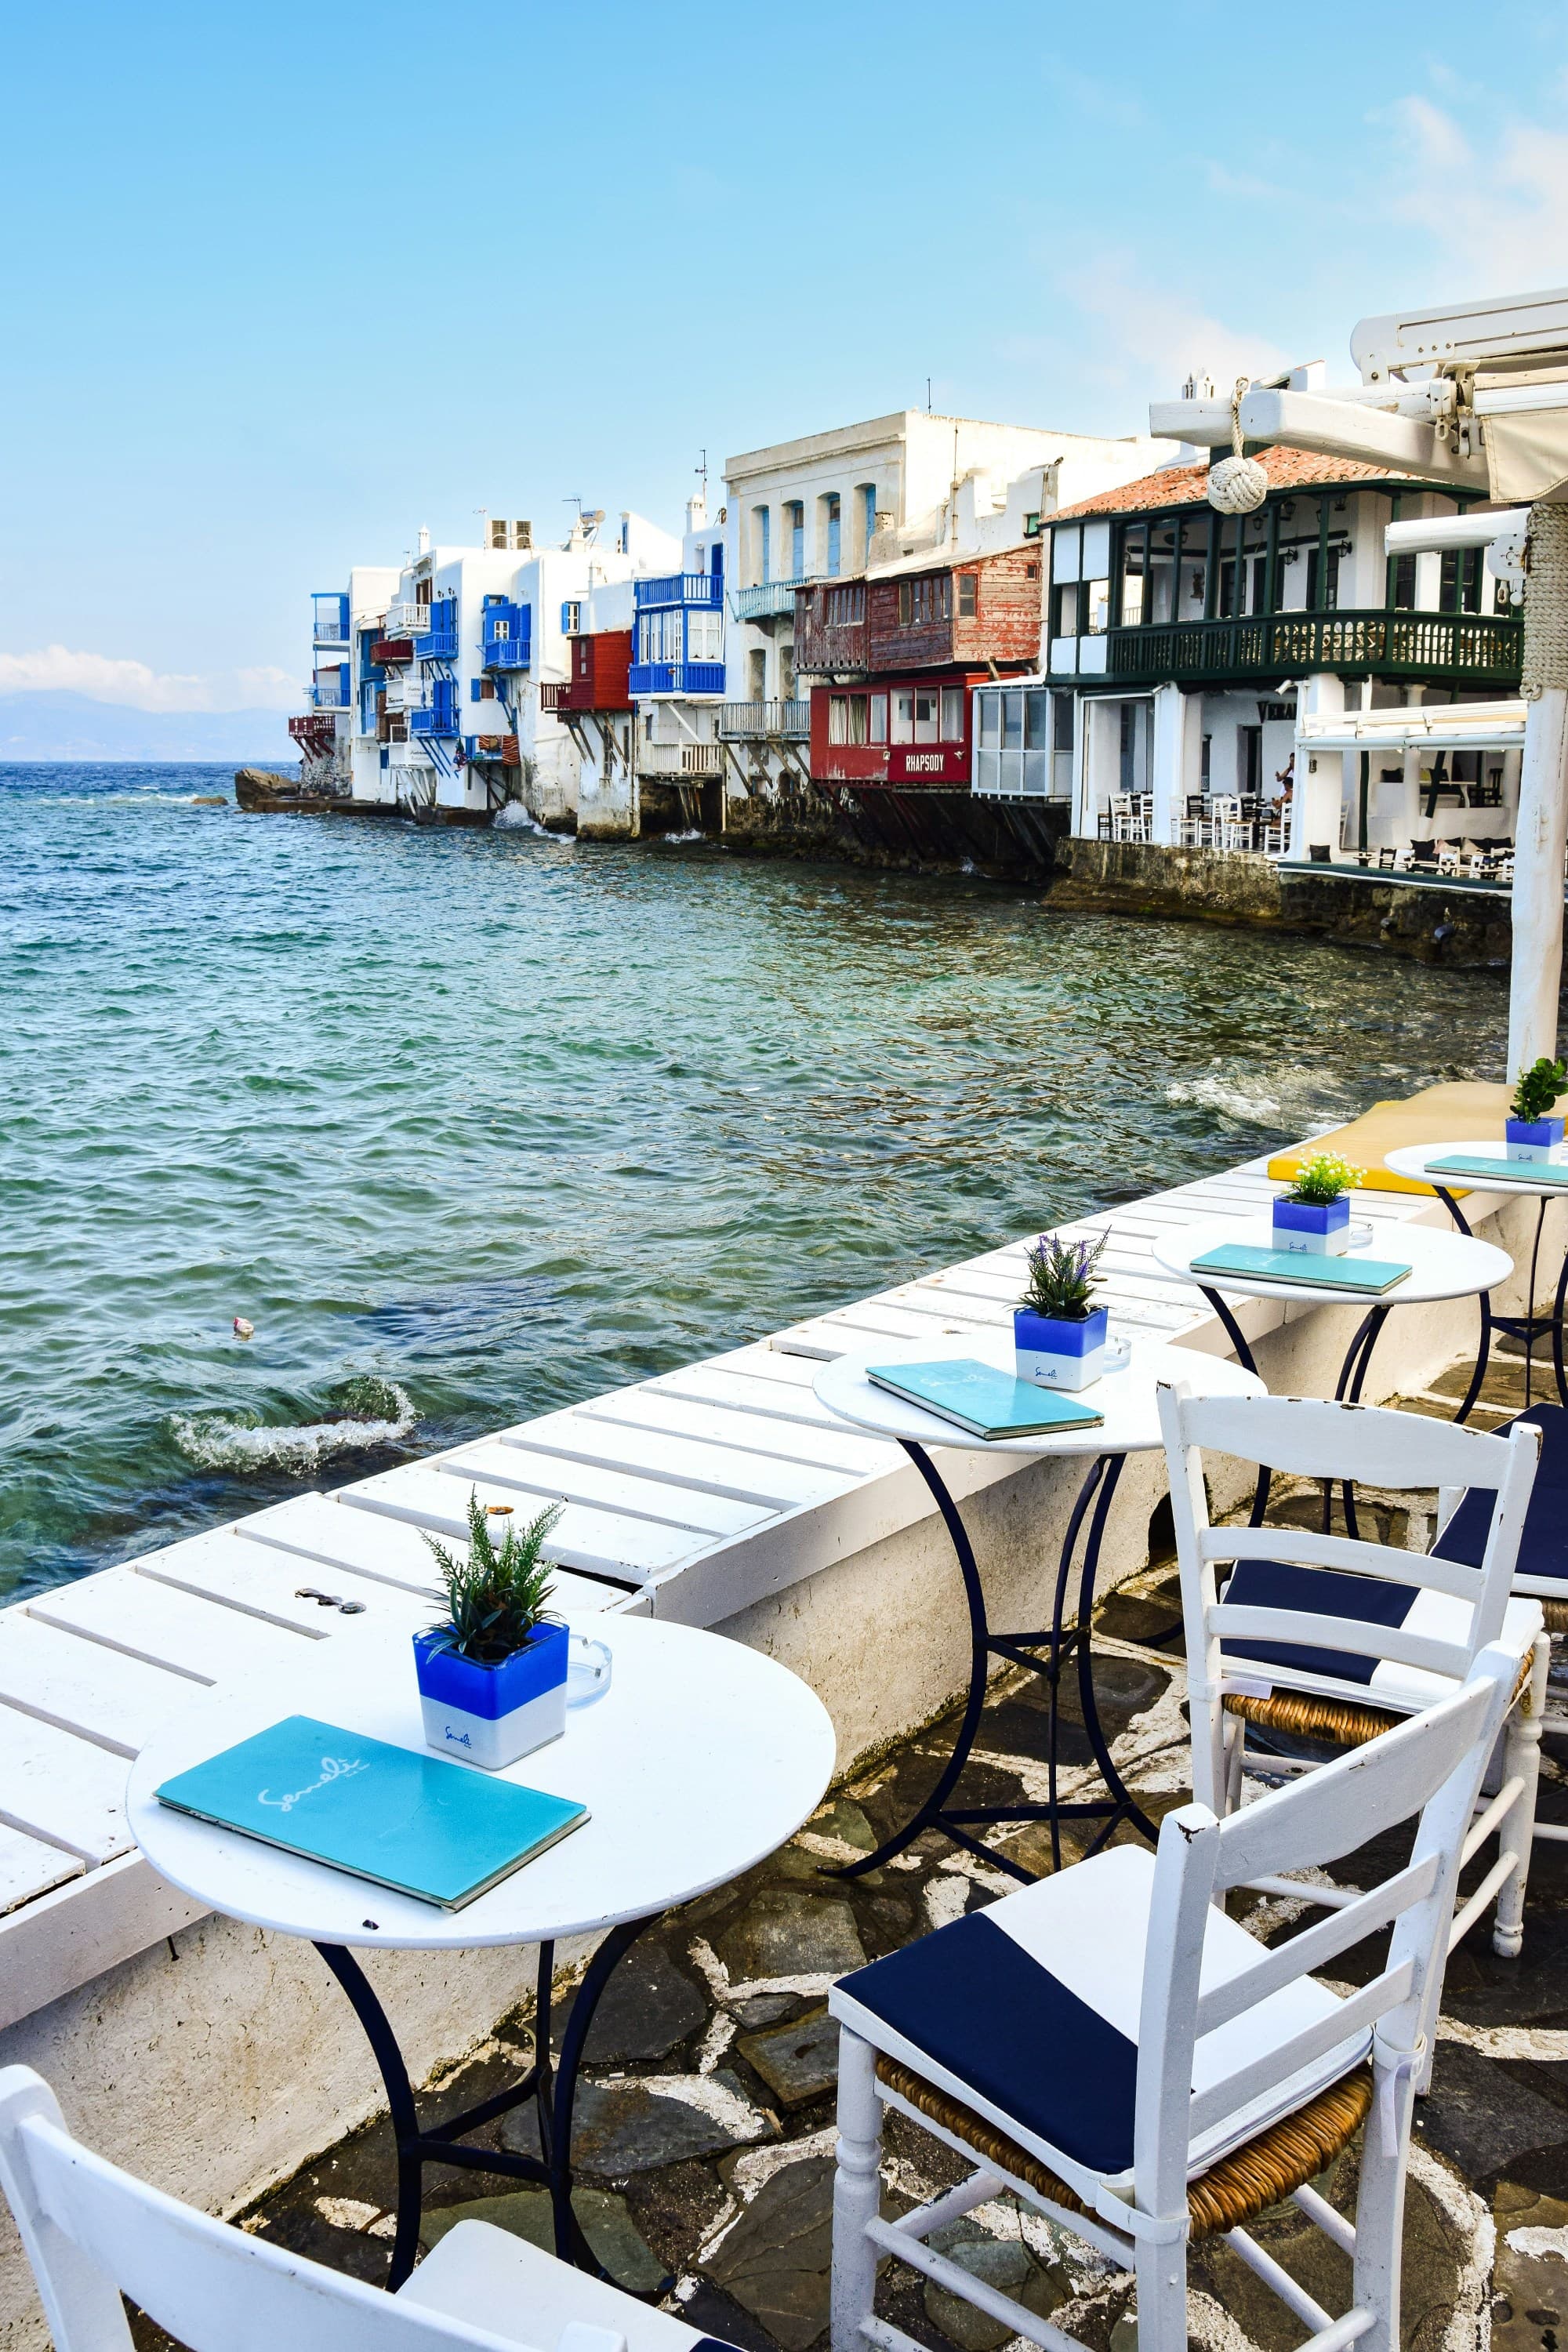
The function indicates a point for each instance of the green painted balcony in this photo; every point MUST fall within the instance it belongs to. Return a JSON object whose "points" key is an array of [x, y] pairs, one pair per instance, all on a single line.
{"points": [[1447, 648]]}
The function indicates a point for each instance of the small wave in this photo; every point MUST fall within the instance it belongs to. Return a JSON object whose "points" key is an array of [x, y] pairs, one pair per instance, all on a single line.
{"points": [[367, 1412], [669, 839], [515, 818], [1212, 1093]]}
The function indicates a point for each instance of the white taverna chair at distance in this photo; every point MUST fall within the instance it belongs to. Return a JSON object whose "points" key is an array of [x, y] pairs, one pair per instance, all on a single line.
{"points": [[1133, 2064], [93, 2230], [1326, 1639]]}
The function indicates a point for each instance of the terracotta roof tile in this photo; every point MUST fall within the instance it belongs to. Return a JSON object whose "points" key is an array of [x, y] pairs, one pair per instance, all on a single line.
{"points": [[1186, 485]]}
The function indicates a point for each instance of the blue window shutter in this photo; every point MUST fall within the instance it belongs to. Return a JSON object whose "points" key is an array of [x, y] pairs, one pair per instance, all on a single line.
{"points": [[473, 689]]}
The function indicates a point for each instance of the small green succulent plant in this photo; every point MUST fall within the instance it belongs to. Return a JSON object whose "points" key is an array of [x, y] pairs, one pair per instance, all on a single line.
{"points": [[497, 1596]]}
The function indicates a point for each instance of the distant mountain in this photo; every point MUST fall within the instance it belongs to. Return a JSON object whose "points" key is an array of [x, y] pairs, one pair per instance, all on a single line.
{"points": [[47, 725]]}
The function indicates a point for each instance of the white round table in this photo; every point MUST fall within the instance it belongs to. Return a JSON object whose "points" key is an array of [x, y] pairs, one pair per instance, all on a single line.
{"points": [[700, 1758], [1125, 1397], [1442, 1265], [1515, 1179]]}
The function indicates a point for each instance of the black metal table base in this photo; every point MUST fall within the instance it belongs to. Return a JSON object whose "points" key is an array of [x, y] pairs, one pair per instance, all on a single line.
{"points": [[1528, 1327], [960, 1823], [553, 2087]]}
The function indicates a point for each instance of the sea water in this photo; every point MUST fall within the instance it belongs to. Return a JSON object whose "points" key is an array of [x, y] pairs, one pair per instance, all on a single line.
{"points": [[470, 1125]]}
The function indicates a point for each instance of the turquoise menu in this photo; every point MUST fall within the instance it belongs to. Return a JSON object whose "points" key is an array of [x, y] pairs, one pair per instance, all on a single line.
{"points": [[440, 1831]]}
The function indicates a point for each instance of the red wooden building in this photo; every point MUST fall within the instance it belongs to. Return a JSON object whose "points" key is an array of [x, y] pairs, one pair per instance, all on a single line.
{"points": [[901, 652], [896, 730], [599, 667]]}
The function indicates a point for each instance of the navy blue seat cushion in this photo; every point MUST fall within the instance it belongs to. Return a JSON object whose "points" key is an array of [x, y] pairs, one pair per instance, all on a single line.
{"points": [[1279, 1584], [1544, 1547], [972, 1999]]}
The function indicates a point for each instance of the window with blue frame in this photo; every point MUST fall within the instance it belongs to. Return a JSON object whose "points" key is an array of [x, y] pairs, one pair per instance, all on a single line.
{"points": [[832, 520], [570, 618], [867, 519], [795, 512], [761, 518], [444, 703]]}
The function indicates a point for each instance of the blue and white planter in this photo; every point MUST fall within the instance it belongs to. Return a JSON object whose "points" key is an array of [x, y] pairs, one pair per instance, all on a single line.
{"points": [[1314, 1228], [1055, 1353], [492, 1715], [1532, 1139]]}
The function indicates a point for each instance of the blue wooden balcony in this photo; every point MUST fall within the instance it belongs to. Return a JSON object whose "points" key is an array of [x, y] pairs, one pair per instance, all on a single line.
{"points": [[329, 617], [771, 600], [508, 636], [676, 677], [441, 717], [439, 641], [702, 589]]}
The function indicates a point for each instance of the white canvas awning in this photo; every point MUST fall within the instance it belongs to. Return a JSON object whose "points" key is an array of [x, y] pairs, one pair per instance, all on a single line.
{"points": [[1445, 727], [1525, 421]]}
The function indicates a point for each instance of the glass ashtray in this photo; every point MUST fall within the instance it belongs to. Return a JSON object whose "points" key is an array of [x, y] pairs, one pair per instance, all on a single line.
{"points": [[589, 1665]]}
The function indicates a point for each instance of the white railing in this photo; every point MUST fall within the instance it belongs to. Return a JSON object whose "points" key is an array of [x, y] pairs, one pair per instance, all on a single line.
{"points": [[407, 620], [743, 721], [680, 759], [770, 600]]}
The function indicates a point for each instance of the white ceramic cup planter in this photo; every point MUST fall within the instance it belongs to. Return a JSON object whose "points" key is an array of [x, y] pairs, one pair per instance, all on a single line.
{"points": [[1532, 1139], [1055, 1351], [490, 1716], [1316, 1228]]}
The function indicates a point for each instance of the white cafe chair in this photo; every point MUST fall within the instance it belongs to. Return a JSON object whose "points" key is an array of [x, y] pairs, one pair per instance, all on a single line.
{"points": [[1133, 2064], [92, 2231], [1329, 1640]]}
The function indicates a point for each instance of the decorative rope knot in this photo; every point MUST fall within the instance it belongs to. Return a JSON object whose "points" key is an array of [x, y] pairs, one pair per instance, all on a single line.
{"points": [[1237, 485]]}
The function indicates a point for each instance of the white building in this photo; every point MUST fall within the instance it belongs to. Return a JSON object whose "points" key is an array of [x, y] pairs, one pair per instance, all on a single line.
{"points": [[834, 505], [1185, 647], [443, 702]]}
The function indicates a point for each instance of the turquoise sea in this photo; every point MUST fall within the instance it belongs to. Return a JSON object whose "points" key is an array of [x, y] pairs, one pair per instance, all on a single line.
{"points": [[496, 1121]]}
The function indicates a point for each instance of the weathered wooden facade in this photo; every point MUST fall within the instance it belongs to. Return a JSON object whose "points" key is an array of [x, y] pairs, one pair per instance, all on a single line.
{"points": [[600, 668], [928, 618]]}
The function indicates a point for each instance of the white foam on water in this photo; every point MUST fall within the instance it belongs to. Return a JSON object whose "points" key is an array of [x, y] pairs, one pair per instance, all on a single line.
{"points": [[671, 839], [515, 818], [1213, 1094], [217, 1441]]}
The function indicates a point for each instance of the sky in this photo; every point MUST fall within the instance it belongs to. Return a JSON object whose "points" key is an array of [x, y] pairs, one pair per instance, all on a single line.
{"points": [[279, 284]]}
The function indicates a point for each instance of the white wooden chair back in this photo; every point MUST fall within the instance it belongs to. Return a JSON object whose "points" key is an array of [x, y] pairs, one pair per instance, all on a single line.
{"points": [[1354, 1443], [91, 2230], [1431, 1764]]}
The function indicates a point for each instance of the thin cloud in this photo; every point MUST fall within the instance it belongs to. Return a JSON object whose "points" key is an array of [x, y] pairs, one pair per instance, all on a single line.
{"points": [[104, 678], [1505, 229], [1159, 334]]}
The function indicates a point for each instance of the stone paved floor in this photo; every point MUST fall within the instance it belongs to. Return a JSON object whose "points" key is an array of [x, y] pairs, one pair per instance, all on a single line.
{"points": [[704, 2129]]}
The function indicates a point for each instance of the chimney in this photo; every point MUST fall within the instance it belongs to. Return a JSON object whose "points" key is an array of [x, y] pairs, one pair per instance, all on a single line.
{"points": [[424, 539], [697, 511]]}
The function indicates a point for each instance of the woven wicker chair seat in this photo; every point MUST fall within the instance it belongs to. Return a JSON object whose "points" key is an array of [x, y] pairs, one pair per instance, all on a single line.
{"points": [[1308, 1716], [1227, 2197]]}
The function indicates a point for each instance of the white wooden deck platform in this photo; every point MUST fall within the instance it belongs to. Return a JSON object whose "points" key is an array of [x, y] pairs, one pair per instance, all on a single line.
{"points": [[690, 1496]]}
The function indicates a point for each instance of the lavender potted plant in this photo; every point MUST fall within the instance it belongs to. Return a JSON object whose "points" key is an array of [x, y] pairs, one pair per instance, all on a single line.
{"points": [[1530, 1131], [1058, 1333], [1313, 1218], [492, 1673]]}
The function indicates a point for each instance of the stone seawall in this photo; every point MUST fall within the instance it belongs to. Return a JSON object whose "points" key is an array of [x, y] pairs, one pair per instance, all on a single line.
{"points": [[1428, 922]]}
